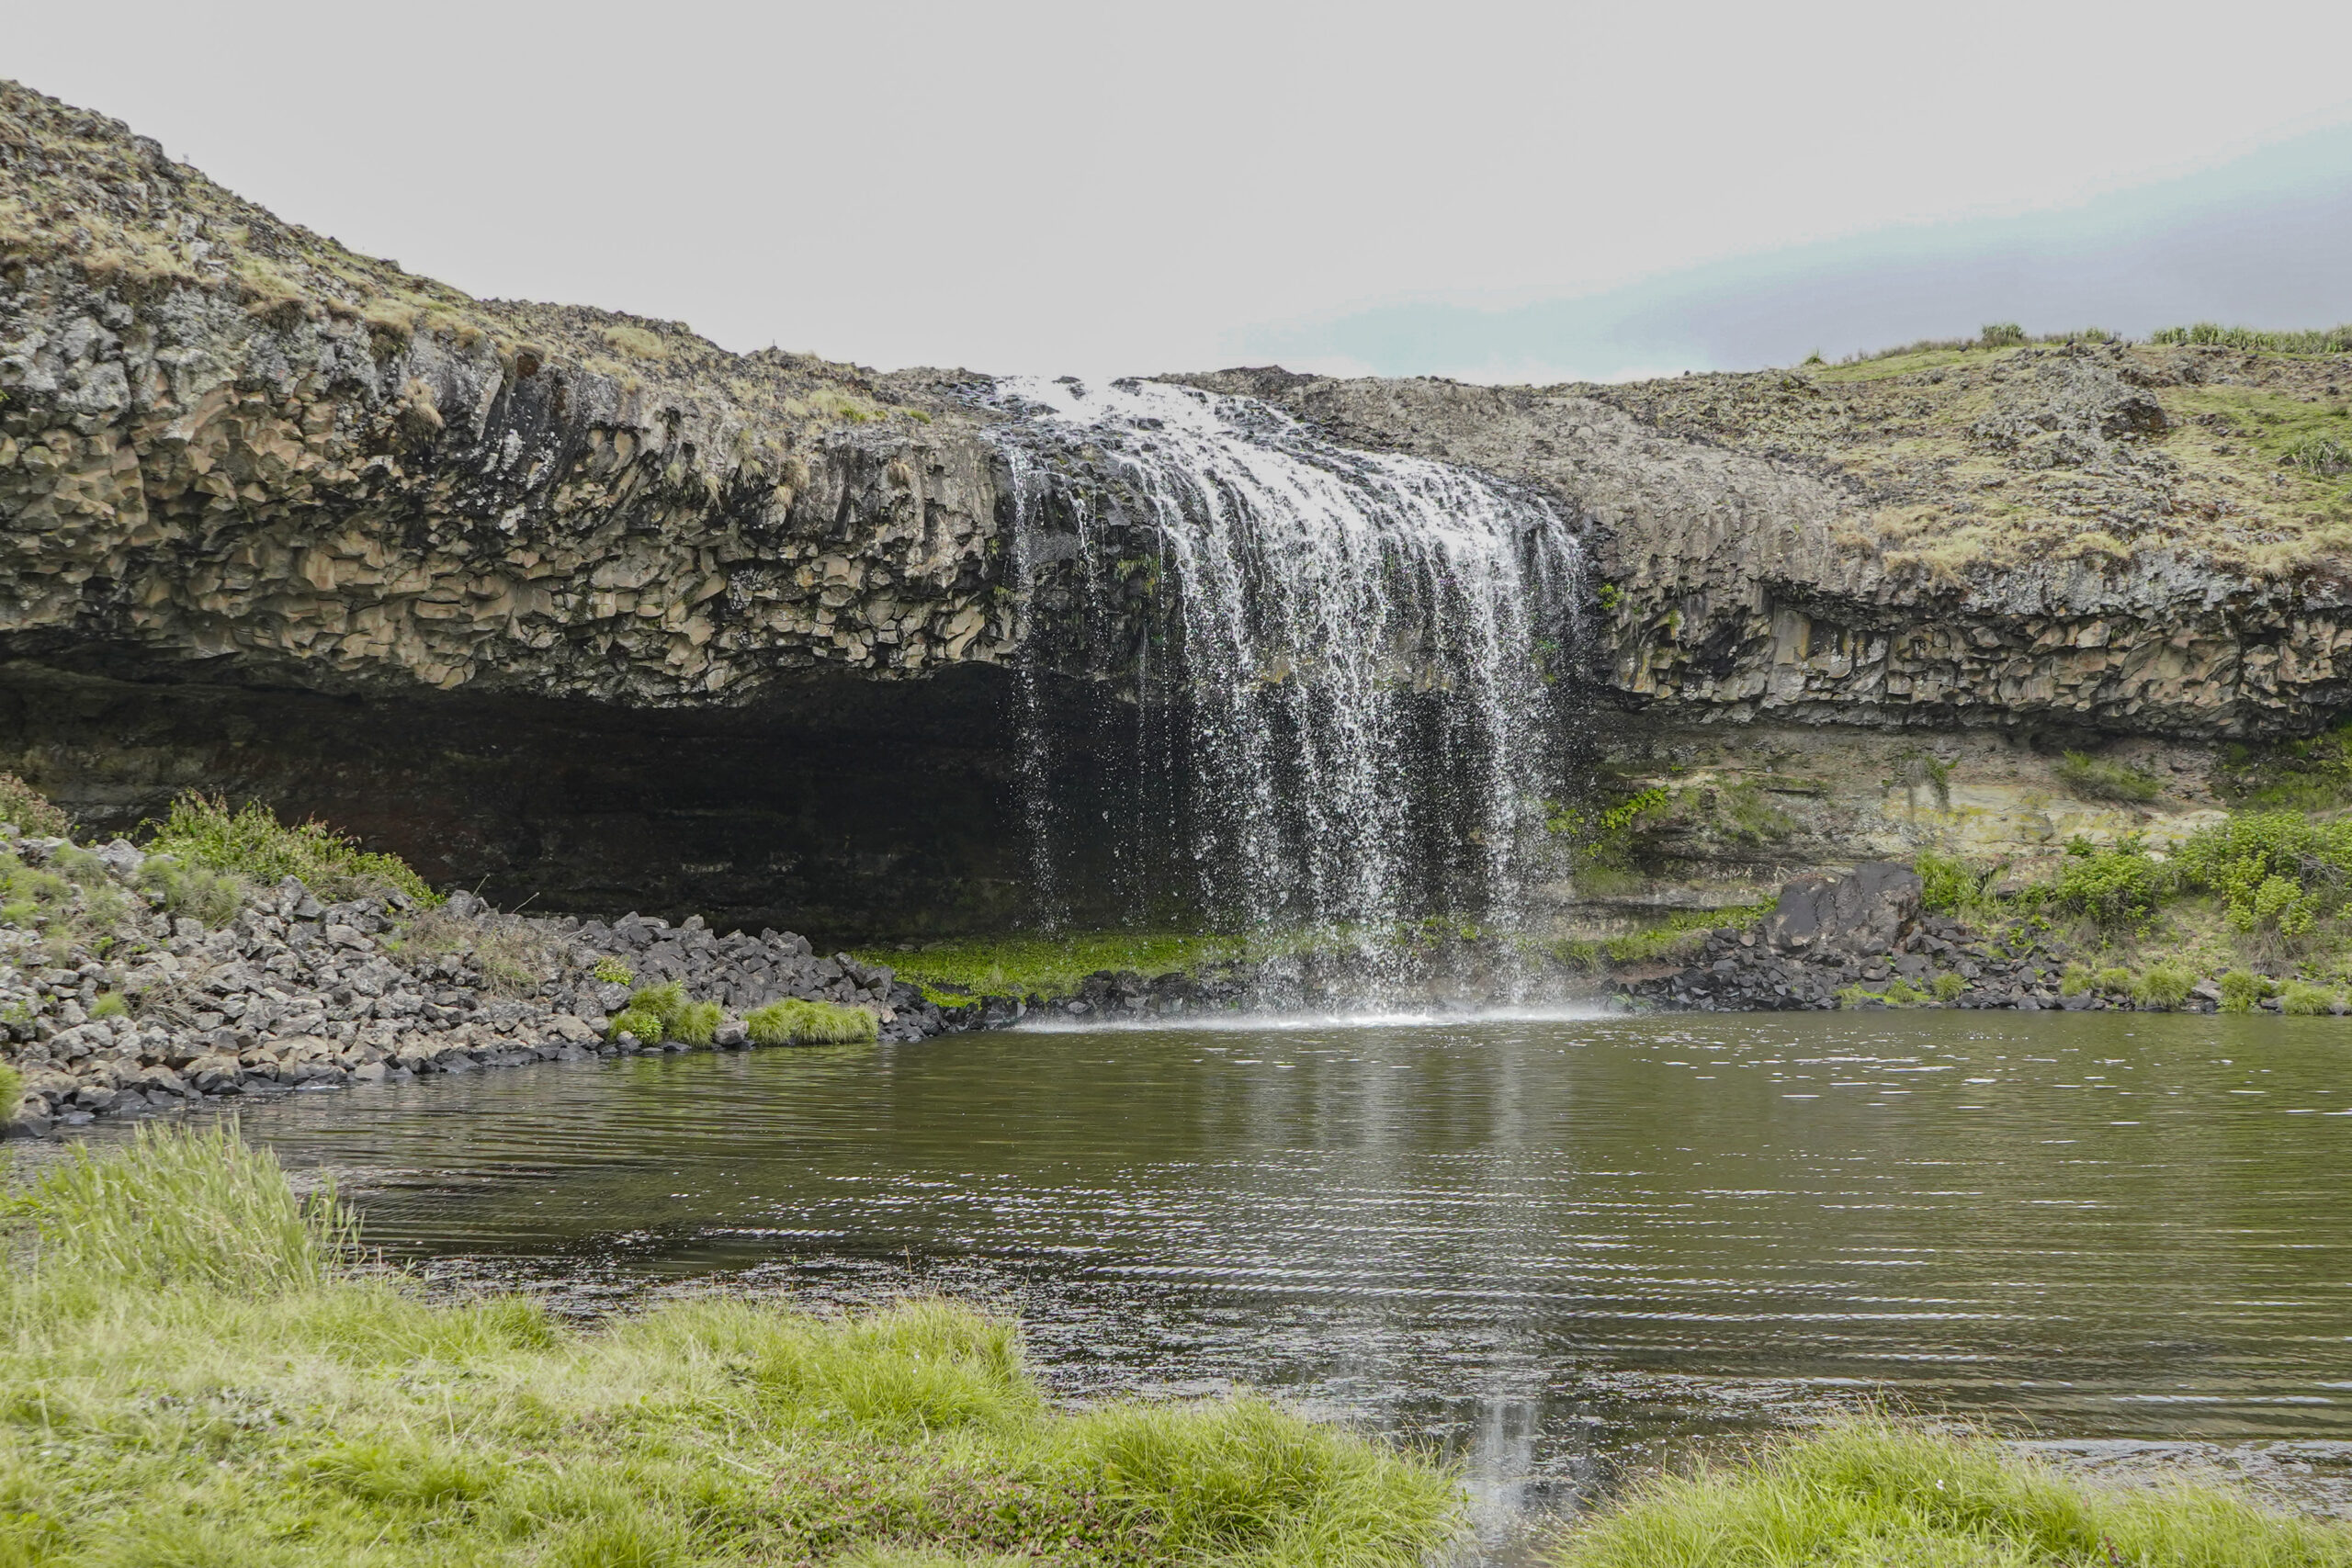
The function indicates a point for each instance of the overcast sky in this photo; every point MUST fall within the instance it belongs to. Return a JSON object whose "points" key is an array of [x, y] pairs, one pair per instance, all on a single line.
{"points": [[1103, 188]]}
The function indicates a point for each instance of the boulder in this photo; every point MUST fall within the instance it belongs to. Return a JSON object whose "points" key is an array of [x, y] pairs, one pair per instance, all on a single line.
{"points": [[1865, 912]]}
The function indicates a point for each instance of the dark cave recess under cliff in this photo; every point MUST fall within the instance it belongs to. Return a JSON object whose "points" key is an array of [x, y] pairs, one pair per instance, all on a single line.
{"points": [[845, 809]]}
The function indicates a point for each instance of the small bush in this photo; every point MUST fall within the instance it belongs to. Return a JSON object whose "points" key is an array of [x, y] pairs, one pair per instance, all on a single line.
{"points": [[2164, 986], [2117, 886], [2002, 334], [2096, 778], [2117, 982], [186, 1207], [648, 1027], [614, 972], [252, 842], [34, 814], [2307, 1000], [794, 1023], [2241, 989], [664, 1001], [12, 1091], [1949, 987], [2076, 979], [113, 1004]]}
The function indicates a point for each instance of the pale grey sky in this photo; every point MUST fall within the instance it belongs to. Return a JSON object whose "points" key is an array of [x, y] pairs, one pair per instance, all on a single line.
{"points": [[1106, 187]]}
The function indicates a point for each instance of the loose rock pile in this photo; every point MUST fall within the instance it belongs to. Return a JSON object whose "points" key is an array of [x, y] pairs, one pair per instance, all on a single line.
{"points": [[1862, 938], [139, 1010]]}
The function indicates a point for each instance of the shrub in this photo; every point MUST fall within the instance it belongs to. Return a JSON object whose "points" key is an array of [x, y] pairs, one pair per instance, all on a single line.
{"points": [[253, 844], [33, 813], [2075, 980], [2096, 778], [664, 1001], [2299, 998], [181, 1206], [646, 1027], [113, 1004], [2114, 886], [614, 972], [2273, 869], [2002, 334], [1949, 986], [2241, 989], [12, 1091], [2164, 986], [794, 1023], [197, 892], [2118, 981]]}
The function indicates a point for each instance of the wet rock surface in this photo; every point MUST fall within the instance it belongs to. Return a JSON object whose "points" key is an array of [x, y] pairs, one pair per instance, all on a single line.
{"points": [[296, 993]]}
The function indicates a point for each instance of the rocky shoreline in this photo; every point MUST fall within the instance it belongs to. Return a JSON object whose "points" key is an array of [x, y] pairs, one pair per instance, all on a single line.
{"points": [[145, 1012], [1865, 939]]}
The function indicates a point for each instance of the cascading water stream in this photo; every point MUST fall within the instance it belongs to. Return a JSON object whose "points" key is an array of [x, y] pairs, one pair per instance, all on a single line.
{"points": [[1356, 652]]}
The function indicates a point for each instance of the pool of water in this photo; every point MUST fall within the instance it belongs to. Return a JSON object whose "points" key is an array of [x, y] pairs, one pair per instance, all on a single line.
{"points": [[1553, 1247]]}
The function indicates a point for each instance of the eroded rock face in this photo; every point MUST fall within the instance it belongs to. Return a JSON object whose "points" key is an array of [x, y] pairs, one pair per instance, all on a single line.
{"points": [[1862, 913]]}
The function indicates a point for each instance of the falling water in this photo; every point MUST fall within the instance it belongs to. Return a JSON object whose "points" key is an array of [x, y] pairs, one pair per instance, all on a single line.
{"points": [[1357, 650]]}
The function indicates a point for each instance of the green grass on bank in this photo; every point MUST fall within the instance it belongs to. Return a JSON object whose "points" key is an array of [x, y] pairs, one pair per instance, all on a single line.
{"points": [[200, 830], [189, 1377], [1020, 966], [1877, 1495]]}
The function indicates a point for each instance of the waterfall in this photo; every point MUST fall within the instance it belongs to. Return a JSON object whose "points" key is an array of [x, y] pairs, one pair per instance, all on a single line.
{"points": [[1345, 663]]}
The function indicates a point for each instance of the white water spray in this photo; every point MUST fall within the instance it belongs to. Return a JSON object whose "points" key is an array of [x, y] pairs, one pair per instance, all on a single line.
{"points": [[1360, 649]]}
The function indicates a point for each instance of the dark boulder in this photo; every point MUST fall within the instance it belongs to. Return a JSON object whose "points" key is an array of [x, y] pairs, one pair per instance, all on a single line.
{"points": [[1865, 912]]}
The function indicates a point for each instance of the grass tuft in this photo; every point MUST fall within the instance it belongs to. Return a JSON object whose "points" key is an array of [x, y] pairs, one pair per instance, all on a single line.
{"points": [[185, 1207], [795, 1022], [252, 844], [12, 1091], [1873, 1492]]}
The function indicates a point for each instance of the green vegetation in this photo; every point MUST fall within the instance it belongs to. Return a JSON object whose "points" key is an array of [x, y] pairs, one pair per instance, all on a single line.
{"points": [[186, 1208], [32, 812], [614, 972], [211, 898], [2094, 778], [2297, 997], [2312, 773], [2242, 989], [71, 901], [199, 1385], [664, 1009], [1948, 884], [12, 1091], [793, 1023], [1872, 1492], [1894, 994], [953, 973], [2163, 985], [2333, 340], [252, 844], [1675, 936]]}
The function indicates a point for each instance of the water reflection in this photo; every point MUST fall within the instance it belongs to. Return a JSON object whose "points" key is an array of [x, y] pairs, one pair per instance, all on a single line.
{"points": [[1547, 1245]]}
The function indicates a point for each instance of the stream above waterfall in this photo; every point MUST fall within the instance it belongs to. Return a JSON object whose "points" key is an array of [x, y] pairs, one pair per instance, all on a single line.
{"points": [[1560, 1248]]}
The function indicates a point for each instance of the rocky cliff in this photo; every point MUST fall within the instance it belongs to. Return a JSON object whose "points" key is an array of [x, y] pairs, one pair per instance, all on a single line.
{"points": [[579, 602], [2084, 536]]}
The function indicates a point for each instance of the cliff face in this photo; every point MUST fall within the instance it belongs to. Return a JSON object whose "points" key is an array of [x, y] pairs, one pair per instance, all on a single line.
{"points": [[2088, 537], [231, 447], [584, 604]]}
